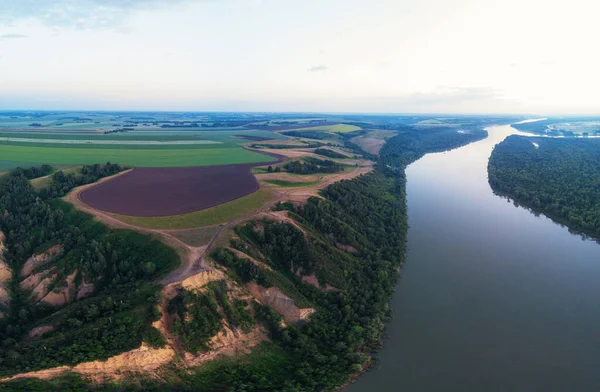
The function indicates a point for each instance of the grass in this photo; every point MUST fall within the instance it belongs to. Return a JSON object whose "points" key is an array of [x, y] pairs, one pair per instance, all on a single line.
{"points": [[195, 237], [259, 170], [24, 155], [290, 184], [210, 216], [339, 128], [43, 182]]}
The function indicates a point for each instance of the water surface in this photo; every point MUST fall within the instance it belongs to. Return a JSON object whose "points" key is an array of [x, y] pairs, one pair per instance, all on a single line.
{"points": [[492, 298]]}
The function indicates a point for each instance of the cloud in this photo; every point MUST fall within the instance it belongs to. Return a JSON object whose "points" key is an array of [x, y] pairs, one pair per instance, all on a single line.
{"points": [[12, 36], [79, 14], [448, 94], [318, 68], [450, 99]]}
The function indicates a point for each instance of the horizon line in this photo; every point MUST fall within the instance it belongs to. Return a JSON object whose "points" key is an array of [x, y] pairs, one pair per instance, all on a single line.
{"points": [[309, 112]]}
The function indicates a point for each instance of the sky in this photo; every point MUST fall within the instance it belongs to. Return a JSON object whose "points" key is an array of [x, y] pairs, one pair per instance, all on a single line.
{"points": [[368, 56]]}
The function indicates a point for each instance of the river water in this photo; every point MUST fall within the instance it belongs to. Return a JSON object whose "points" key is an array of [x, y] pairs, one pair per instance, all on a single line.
{"points": [[492, 297]]}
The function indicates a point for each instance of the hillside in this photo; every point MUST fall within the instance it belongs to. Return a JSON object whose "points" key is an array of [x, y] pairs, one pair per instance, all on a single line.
{"points": [[294, 298]]}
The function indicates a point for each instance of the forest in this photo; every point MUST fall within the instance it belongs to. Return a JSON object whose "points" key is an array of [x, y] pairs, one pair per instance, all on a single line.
{"points": [[559, 178], [313, 166], [411, 144], [329, 153], [121, 265]]}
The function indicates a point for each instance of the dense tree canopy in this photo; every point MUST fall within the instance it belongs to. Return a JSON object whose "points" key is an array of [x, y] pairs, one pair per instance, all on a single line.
{"points": [[120, 264], [555, 176]]}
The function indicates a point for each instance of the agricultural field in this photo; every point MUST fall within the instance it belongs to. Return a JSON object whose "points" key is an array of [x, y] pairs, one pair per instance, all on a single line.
{"points": [[211, 216], [373, 141], [165, 157], [190, 170], [171, 191], [337, 128], [167, 140], [143, 149]]}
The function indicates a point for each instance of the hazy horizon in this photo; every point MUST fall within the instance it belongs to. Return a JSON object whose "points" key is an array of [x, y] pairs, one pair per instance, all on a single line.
{"points": [[456, 57]]}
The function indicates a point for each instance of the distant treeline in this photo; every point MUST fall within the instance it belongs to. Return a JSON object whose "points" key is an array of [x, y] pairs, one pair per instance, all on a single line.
{"points": [[119, 130], [411, 144], [32, 172], [286, 146], [560, 178], [329, 153], [313, 166]]}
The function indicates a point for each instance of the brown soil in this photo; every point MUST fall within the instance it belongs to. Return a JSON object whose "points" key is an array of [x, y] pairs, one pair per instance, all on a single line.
{"points": [[42, 289], [38, 260], [65, 295], [290, 153], [142, 359], [5, 276], [85, 289], [167, 191], [280, 302], [199, 280], [312, 280], [171, 191], [229, 343], [281, 176], [38, 283], [370, 145], [373, 141], [39, 331]]}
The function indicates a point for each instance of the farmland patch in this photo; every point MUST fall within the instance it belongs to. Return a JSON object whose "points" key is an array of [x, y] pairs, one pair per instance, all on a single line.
{"points": [[211, 216], [171, 191]]}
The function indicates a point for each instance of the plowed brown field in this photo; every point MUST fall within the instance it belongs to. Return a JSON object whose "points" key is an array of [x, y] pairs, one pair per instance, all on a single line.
{"points": [[172, 191]]}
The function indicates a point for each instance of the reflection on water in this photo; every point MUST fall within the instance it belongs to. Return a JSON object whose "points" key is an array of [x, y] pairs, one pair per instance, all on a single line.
{"points": [[492, 297]]}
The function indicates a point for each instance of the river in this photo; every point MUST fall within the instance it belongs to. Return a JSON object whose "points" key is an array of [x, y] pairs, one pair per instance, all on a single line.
{"points": [[492, 297]]}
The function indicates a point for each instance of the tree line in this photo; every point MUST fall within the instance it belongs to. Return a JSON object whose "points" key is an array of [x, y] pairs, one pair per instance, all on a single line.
{"points": [[559, 177]]}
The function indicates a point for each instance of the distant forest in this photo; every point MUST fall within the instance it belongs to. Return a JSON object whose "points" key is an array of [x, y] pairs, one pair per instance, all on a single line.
{"points": [[559, 177]]}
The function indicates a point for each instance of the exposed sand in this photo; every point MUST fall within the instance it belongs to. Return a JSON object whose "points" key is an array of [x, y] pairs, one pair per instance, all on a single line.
{"points": [[65, 295], [5, 276], [280, 302], [38, 260]]}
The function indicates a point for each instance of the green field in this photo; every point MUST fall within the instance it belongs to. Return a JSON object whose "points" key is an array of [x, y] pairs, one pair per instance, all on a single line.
{"points": [[199, 236], [169, 148], [210, 216], [339, 128], [165, 157], [6, 165]]}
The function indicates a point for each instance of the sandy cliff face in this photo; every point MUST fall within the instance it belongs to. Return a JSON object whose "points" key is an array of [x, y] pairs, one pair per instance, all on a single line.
{"points": [[280, 302], [5, 277], [202, 278], [38, 260], [64, 295]]}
